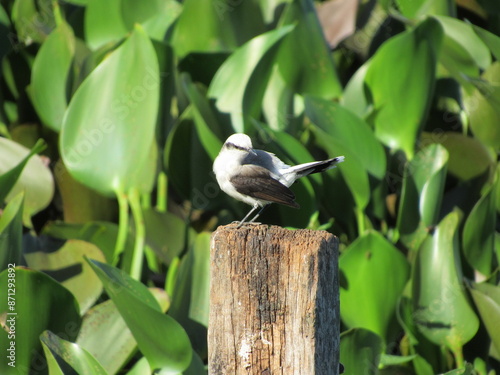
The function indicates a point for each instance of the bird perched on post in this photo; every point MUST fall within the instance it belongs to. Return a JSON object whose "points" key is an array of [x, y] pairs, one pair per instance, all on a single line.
{"points": [[259, 178]]}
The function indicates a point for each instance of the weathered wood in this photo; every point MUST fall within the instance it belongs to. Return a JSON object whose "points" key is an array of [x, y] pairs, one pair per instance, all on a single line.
{"points": [[274, 302]]}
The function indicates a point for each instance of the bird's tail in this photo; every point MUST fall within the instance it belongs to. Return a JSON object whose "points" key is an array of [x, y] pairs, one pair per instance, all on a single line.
{"points": [[314, 167]]}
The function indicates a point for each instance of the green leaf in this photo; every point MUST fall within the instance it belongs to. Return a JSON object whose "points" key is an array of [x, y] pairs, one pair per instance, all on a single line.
{"points": [[490, 39], [360, 351], [370, 295], [220, 26], [423, 185], [102, 234], [487, 300], [252, 64], [467, 370], [160, 338], [483, 107], [463, 51], [204, 117], [103, 23], [112, 349], [62, 353], [30, 23], [441, 308], [467, 156], [479, 233], [341, 132], [400, 78], [38, 302], [67, 266], [112, 117], [303, 65], [11, 231], [165, 234], [416, 9], [49, 76], [190, 299], [22, 170]]}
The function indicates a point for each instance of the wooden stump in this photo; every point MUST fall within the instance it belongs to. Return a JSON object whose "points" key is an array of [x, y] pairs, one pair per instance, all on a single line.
{"points": [[274, 302]]}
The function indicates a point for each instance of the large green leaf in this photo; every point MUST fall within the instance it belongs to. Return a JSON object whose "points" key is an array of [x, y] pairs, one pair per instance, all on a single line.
{"points": [[220, 26], [400, 78], [442, 310], [49, 76], [479, 233], [190, 302], [62, 354], [252, 64], [463, 52], [341, 132], [113, 348], [423, 186], [68, 267], [303, 65], [483, 107], [160, 338], [22, 170], [360, 351], [467, 156], [370, 294], [11, 231], [490, 39], [103, 22], [101, 234], [112, 118], [41, 304], [418, 8], [487, 300]]}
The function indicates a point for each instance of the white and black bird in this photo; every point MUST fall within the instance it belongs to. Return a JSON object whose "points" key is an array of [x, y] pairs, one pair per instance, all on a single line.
{"points": [[259, 178]]}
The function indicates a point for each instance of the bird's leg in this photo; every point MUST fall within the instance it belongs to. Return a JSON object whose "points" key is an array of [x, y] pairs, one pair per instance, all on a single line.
{"points": [[255, 206], [258, 213]]}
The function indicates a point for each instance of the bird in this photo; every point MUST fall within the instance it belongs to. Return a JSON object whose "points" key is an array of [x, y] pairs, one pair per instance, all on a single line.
{"points": [[258, 177]]}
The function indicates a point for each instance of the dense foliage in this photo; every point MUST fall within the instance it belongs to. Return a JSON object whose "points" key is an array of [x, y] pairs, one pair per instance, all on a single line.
{"points": [[112, 113]]}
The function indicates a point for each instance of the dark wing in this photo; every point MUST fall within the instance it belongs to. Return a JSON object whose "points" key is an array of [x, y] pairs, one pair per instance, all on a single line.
{"points": [[257, 182]]}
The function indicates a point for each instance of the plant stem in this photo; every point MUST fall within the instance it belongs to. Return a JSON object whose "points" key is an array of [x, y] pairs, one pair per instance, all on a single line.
{"points": [[459, 356], [360, 218], [161, 199], [140, 233], [122, 225]]}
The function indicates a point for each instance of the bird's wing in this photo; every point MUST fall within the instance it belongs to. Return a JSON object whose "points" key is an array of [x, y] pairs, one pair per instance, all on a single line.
{"points": [[256, 182]]}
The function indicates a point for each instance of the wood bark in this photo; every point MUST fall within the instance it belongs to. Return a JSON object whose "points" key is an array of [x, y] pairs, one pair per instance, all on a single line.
{"points": [[274, 302]]}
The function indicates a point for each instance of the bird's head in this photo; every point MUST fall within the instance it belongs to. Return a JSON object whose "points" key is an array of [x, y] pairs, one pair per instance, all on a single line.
{"points": [[239, 141]]}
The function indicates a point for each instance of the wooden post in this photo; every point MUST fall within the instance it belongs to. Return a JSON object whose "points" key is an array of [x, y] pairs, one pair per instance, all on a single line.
{"points": [[274, 302]]}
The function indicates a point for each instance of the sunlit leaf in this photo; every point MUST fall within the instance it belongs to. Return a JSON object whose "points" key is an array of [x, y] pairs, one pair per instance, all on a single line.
{"points": [[49, 76], [370, 294], [64, 353], [114, 348], [487, 300], [11, 231], [483, 107], [103, 22], [159, 337], [68, 267], [38, 301], [17, 163], [423, 185], [252, 64], [303, 65], [442, 310], [112, 117], [400, 78]]}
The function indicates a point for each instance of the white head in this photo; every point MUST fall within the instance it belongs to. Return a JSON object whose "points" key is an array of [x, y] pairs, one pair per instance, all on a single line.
{"points": [[239, 141]]}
